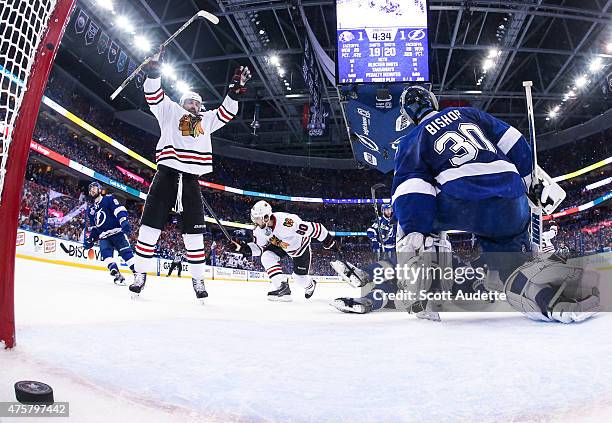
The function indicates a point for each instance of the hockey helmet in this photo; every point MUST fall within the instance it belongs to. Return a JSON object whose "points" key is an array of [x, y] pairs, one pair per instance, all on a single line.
{"points": [[386, 207], [190, 95], [96, 185], [261, 210], [416, 102]]}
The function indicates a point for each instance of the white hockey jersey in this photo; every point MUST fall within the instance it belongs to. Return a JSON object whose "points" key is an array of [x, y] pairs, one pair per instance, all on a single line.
{"points": [[178, 147], [288, 232], [547, 245]]}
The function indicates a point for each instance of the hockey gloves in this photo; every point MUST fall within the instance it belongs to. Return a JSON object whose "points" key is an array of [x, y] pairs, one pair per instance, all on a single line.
{"points": [[126, 228], [153, 68], [89, 242], [237, 87], [240, 247], [331, 243]]}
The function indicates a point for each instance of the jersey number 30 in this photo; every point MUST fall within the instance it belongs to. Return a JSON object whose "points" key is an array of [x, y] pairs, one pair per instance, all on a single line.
{"points": [[465, 144]]}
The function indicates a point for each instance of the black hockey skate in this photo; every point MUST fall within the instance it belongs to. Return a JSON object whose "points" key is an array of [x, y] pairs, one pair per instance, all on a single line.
{"points": [[138, 285], [118, 278], [199, 288], [281, 294], [353, 305], [310, 289]]}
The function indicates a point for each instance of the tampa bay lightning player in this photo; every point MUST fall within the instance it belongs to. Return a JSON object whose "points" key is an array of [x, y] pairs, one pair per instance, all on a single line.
{"points": [[464, 169], [382, 232], [109, 223]]}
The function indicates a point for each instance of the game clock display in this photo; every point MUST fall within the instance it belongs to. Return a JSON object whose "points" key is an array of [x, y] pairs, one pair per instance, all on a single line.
{"points": [[382, 41]]}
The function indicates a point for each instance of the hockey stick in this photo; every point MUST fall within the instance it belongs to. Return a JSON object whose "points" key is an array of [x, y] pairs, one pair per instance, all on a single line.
{"points": [[201, 14], [213, 214], [535, 227], [373, 192]]}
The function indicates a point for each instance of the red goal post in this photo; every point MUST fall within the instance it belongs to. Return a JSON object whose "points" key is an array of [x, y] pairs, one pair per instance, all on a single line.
{"points": [[29, 39]]}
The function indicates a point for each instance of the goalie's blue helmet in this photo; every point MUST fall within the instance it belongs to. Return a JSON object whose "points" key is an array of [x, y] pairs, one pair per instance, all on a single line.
{"points": [[94, 184], [416, 102]]}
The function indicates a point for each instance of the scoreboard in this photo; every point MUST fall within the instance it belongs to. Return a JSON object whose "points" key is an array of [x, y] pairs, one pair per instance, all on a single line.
{"points": [[382, 41]]}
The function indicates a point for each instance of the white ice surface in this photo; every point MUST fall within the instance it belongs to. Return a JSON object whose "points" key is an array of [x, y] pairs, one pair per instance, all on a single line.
{"points": [[165, 358]]}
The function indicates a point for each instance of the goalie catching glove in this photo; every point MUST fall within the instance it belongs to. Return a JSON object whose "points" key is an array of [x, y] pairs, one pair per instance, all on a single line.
{"points": [[237, 87], [544, 192]]}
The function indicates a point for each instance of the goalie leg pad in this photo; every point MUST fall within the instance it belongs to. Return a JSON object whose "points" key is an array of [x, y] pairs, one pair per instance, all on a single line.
{"points": [[548, 290]]}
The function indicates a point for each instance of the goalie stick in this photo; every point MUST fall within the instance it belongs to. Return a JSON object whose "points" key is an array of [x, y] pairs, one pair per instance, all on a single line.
{"points": [[535, 226], [201, 14]]}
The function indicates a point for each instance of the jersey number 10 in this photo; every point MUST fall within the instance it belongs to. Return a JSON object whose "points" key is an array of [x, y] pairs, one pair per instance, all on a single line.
{"points": [[465, 144]]}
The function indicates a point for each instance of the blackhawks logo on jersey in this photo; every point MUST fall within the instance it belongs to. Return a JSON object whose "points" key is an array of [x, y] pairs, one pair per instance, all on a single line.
{"points": [[275, 241], [190, 125]]}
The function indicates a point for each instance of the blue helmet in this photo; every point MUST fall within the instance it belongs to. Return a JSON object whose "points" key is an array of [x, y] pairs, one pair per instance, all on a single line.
{"points": [[416, 102], [94, 184], [386, 206]]}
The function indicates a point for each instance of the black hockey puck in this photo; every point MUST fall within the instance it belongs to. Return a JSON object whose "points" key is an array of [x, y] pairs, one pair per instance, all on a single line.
{"points": [[32, 392]]}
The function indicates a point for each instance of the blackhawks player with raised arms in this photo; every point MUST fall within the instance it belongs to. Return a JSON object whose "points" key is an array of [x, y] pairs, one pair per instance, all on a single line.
{"points": [[109, 224], [277, 235], [463, 169], [183, 153]]}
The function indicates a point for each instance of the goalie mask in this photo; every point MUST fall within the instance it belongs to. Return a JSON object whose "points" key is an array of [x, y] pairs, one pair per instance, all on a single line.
{"points": [[261, 213], [192, 102], [416, 102]]}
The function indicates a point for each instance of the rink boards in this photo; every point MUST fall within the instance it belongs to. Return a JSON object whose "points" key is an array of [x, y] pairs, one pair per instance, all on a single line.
{"points": [[43, 248]]}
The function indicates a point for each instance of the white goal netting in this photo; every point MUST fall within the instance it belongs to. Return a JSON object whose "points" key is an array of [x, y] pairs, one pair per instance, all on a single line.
{"points": [[22, 26]]}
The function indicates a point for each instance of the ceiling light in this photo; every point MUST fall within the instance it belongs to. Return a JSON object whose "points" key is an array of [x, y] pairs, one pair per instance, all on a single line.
{"points": [[609, 47], [141, 43], [281, 71], [262, 32], [552, 114], [124, 24], [168, 71], [488, 64], [581, 82], [595, 65], [494, 53], [556, 109], [274, 60], [182, 87], [105, 4]]}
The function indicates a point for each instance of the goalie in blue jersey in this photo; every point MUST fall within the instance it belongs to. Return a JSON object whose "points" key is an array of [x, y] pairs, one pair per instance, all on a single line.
{"points": [[463, 169], [109, 224]]}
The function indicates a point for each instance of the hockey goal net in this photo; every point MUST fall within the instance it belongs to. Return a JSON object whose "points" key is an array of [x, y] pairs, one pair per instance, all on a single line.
{"points": [[30, 32]]}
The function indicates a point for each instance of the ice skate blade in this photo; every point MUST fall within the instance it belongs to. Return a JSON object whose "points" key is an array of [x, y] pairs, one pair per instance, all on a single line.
{"points": [[123, 283], [284, 299], [134, 295]]}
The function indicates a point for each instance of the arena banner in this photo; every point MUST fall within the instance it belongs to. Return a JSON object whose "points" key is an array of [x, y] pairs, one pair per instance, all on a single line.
{"points": [[373, 114]]}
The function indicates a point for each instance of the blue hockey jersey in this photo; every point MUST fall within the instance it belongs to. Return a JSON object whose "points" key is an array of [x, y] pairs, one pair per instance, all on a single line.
{"points": [[106, 217], [464, 153]]}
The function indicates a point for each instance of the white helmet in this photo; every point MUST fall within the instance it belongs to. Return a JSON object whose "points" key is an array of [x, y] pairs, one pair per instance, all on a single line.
{"points": [[190, 95], [260, 210]]}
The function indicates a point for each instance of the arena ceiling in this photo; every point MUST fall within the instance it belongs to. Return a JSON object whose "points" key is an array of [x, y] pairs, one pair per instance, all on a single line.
{"points": [[552, 42]]}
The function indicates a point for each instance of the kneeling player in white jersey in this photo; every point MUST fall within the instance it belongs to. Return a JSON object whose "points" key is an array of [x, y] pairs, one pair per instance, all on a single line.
{"points": [[284, 234]]}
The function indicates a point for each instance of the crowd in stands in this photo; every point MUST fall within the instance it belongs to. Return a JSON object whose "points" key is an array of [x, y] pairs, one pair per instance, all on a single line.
{"points": [[49, 193]]}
